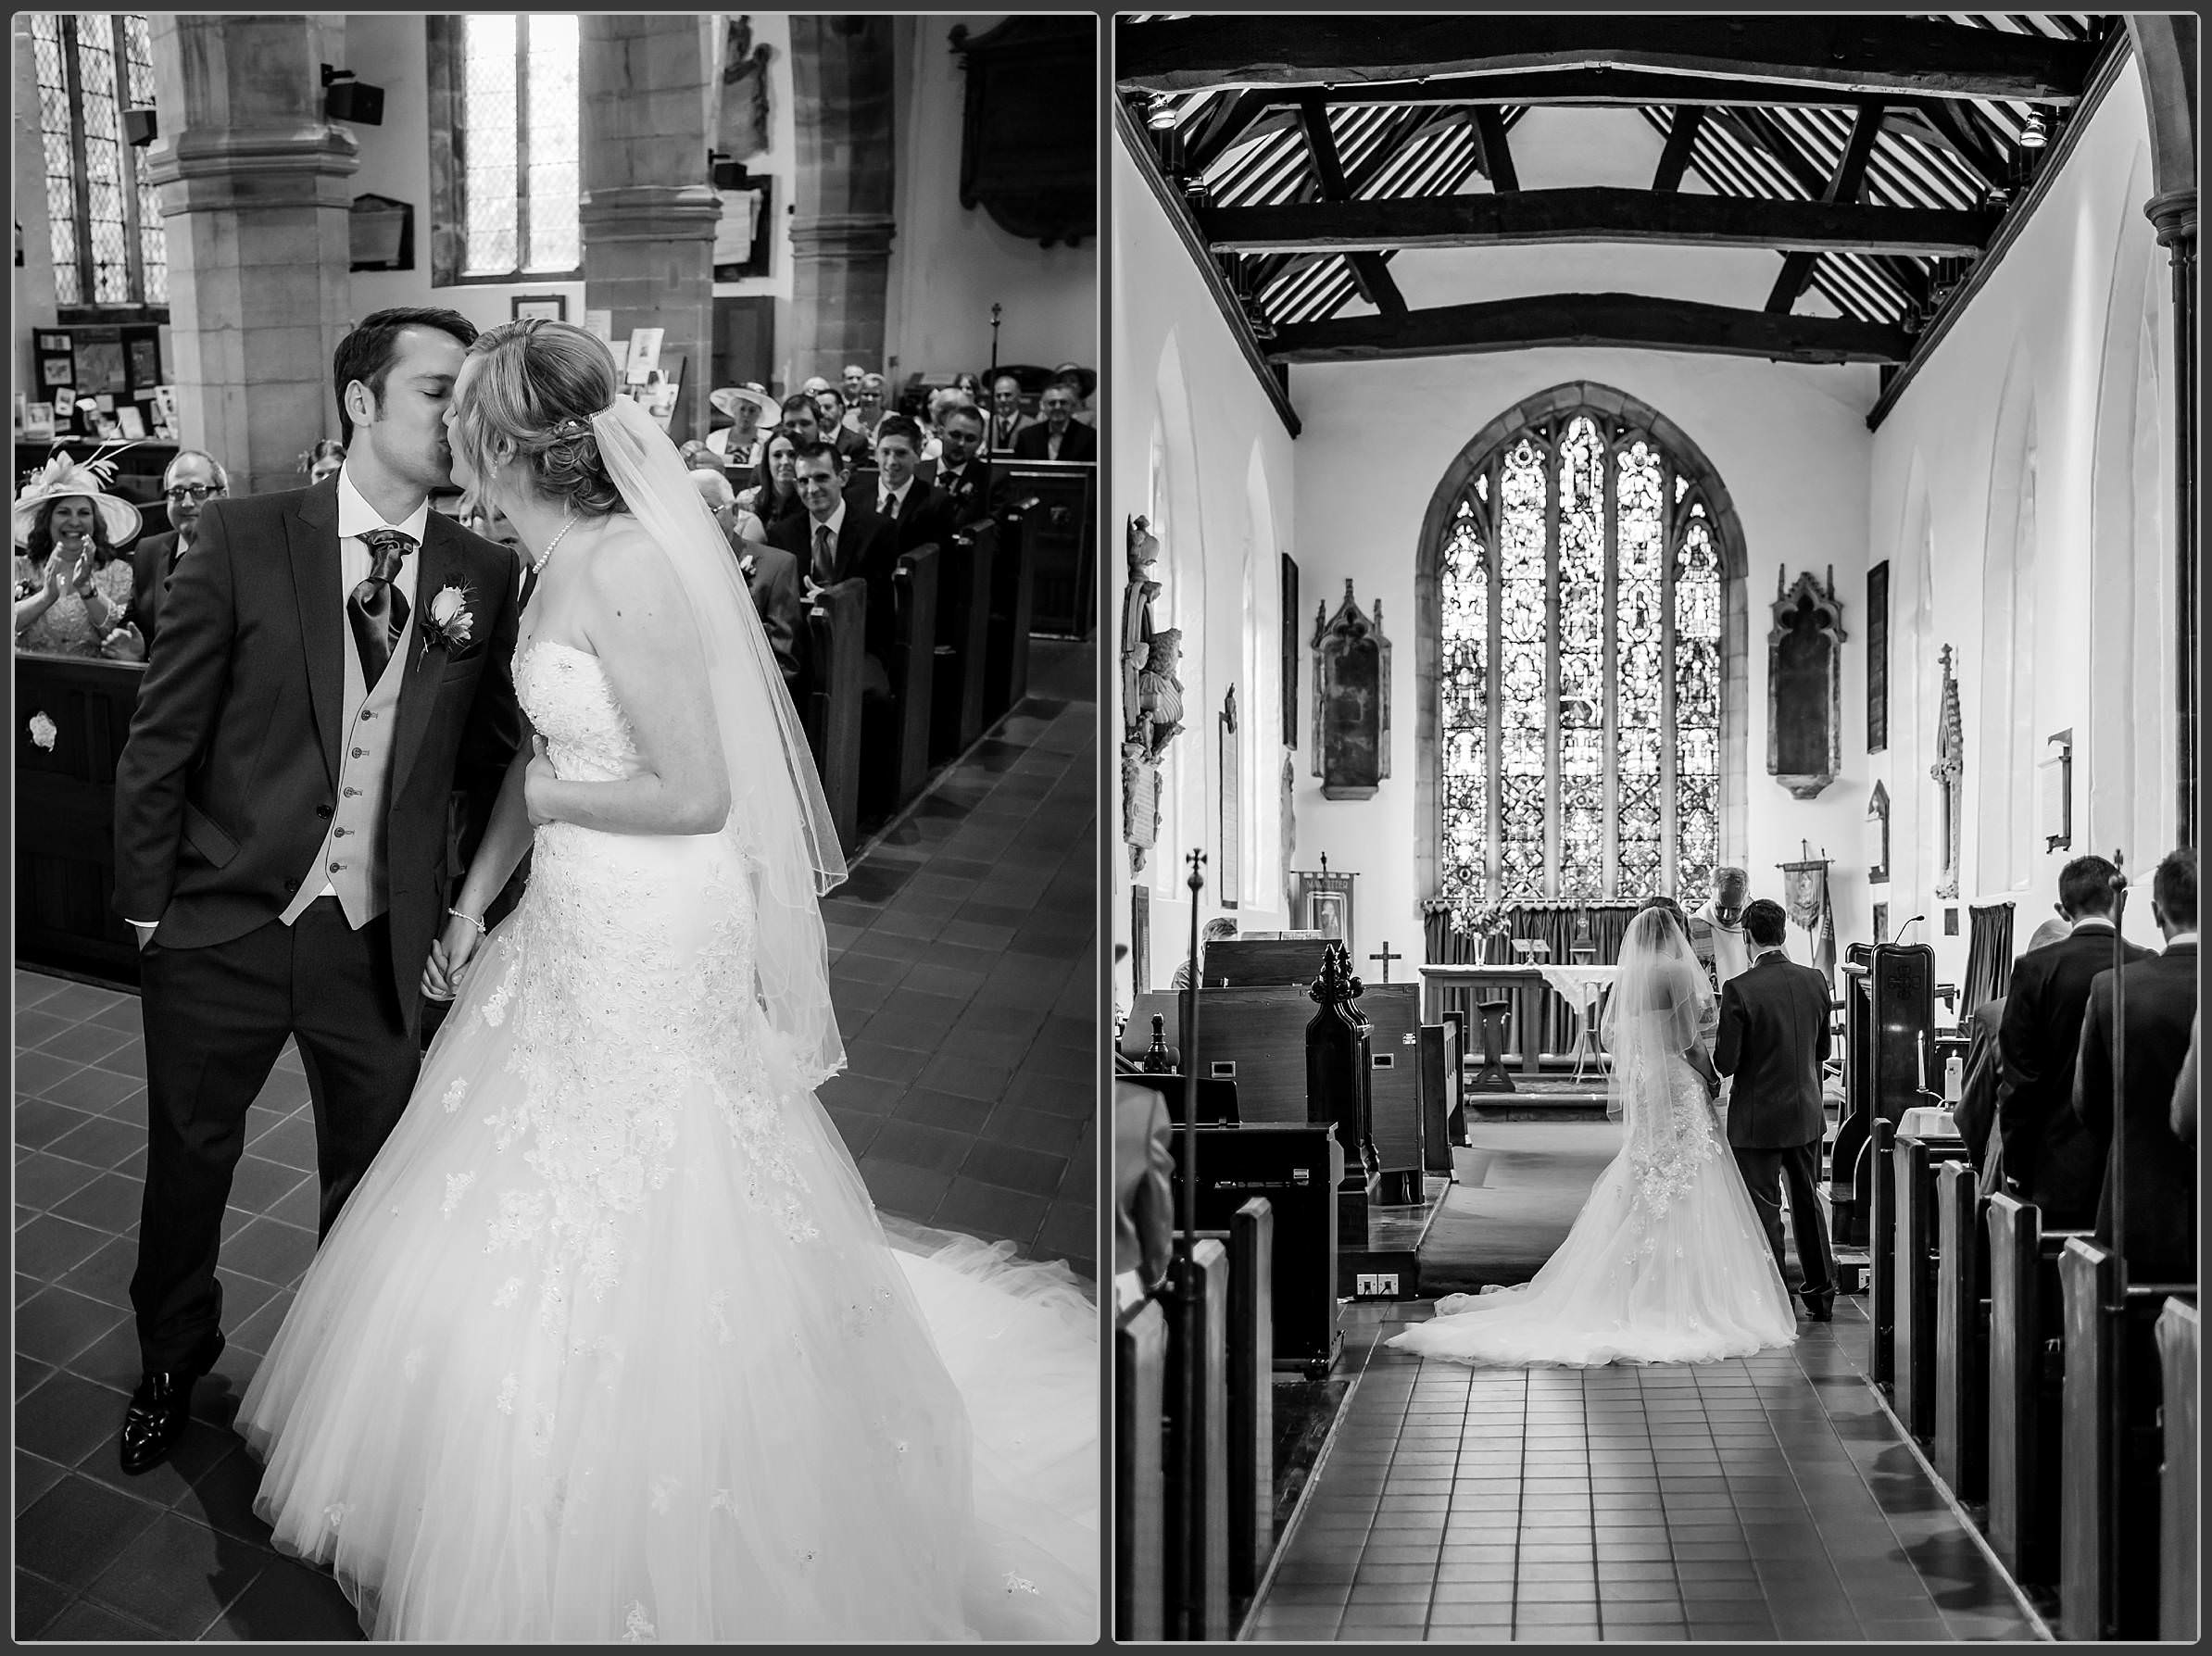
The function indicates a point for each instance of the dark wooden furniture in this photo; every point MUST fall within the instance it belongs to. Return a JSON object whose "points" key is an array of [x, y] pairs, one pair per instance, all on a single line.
{"points": [[65, 813], [1915, 1262], [1197, 1461], [1962, 1356], [894, 736], [1139, 1472], [2027, 1367], [1058, 542], [1296, 1168], [1006, 662], [964, 640], [2178, 1564], [837, 633]]}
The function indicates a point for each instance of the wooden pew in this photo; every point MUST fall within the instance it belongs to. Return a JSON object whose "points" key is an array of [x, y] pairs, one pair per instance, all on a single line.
{"points": [[1139, 1472], [1060, 532], [2178, 1571], [1006, 657], [1962, 1355], [895, 733], [2026, 1356], [1914, 1264], [65, 814], [836, 645], [964, 640], [1296, 1167], [1250, 1242], [1198, 1465], [1439, 1095], [1876, 1186]]}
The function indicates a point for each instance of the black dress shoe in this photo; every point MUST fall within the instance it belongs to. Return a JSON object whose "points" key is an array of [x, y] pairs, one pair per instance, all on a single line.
{"points": [[161, 1407], [1821, 1308]]}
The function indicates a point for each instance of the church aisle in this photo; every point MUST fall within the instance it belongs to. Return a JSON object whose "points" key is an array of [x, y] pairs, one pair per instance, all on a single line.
{"points": [[969, 1103], [1767, 1498]]}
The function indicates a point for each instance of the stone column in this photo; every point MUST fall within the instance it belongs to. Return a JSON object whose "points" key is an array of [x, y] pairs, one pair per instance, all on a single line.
{"points": [[2175, 215], [252, 182], [841, 229], [648, 211]]}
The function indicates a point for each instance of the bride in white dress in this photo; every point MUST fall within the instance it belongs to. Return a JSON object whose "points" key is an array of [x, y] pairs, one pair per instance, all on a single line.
{"points": [[1666, 1261], [610, 1343]]}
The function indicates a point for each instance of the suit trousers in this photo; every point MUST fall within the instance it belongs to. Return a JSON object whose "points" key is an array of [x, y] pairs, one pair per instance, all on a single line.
{"points": [[216, 1020], [1798, 1166]]}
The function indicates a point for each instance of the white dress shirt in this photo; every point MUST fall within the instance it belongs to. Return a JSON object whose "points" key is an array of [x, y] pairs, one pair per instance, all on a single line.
{"points": [[891, 502]]}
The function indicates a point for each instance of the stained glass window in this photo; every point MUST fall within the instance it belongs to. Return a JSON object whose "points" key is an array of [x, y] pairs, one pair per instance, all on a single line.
{"points": [[103, 225], [521, 120], [1581, 673]]}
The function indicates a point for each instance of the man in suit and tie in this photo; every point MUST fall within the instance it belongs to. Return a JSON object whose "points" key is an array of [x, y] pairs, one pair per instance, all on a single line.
{"points": [[2161, 1007], [770, 574], [961, 472], [922, 513], [1977, 1112], [193, 478], [1773, 1038], [1008, 421], [2049, 1158], [835, 540], [1058, 436]]}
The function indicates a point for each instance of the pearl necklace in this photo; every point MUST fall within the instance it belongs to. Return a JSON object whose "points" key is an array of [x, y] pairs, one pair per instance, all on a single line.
{"points": [[539, 563]]}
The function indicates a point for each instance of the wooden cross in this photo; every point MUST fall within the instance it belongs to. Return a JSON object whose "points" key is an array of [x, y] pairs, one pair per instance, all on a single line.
{"points": [[1386, 958]]}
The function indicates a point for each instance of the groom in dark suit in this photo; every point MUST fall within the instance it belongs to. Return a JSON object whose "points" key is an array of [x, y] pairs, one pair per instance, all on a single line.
{"points": [[1773, 1038], [334, 665]]}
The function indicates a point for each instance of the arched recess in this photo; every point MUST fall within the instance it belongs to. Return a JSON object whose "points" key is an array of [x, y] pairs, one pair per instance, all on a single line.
{"points": [[2165, 58], [1910, 699], [1260, 699], [2001, 775], [2128, 754], [1611, 407]]}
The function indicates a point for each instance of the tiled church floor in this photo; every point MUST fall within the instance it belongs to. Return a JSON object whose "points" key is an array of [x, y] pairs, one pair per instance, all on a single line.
{"points": [[1767, 1497], [962, 971]]}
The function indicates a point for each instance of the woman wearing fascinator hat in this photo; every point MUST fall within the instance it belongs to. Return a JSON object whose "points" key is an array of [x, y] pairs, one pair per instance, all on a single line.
{"points": [[753, 413], [611, 1343], [72, 594]]}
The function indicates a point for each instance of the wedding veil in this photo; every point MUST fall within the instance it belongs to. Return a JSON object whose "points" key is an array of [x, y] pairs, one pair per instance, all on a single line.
{"points": [[778, 820], [1658, 1009]]}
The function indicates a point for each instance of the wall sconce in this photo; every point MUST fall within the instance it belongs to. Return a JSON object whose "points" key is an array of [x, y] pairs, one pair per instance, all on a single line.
{"points": [[2054, 786], [346, 99], [2037, 132]]}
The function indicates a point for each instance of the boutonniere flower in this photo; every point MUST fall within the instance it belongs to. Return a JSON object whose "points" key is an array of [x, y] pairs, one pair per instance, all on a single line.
{"points": [[43, 732], [449, 620], [747, 566]]}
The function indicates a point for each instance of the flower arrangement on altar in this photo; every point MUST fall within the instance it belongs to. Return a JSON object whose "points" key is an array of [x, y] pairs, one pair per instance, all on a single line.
{"points": [[1486, 920]]}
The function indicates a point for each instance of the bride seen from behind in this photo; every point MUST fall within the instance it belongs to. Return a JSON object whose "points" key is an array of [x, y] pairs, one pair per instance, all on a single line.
{"points": [[1666, 1261], [610, 1342]]}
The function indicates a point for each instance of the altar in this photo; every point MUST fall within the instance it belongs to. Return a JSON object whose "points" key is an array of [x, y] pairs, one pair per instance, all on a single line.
{"points": [[1582, 985]]}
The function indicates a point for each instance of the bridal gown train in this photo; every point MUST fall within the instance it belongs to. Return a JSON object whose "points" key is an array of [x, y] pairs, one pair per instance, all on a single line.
{"points": [[1667, 1263], [610, 1343]]}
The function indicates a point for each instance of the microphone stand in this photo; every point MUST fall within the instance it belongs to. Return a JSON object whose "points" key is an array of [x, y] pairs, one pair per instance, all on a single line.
{"points": [[1189, 1598]]}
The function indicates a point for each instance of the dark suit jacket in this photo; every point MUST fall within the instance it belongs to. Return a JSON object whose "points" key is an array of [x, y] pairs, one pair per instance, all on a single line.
{"points": [[1977, 1111], [1773, 1038], [973, 494], [223, 790], [924, 514], [149, 580], [2049, 1158], [774, 583], [867, 547], [1079, 441], [2161, 1241]]}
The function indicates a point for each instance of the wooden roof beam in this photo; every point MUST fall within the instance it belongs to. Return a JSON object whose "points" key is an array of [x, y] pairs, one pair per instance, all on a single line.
{"points": [[1869, 54], [1497, 152], [1229, 120], [1593, 214], [1626, 321], [1843, 189], [1367, 268], [1681, 143]]}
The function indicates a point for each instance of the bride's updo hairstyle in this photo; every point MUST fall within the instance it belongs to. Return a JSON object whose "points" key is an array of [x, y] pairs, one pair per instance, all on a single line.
{"points": [[533, 399]]}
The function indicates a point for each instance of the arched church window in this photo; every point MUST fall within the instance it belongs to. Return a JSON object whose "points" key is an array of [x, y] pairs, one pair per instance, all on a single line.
{"points": [[512, 181], [1580, 671], [110, 248]]}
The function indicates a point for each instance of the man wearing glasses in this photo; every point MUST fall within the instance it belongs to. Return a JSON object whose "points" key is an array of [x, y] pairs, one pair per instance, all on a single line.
{"points": [[190, 478]]}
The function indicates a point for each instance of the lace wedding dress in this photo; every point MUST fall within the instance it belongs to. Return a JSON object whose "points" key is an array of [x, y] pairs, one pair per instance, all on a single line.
{"points": [[610, 1343], [1666, 1261]]}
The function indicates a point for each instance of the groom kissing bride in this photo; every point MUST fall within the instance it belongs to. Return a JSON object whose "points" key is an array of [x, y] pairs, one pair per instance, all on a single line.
{"points": [[1677, 1257]]}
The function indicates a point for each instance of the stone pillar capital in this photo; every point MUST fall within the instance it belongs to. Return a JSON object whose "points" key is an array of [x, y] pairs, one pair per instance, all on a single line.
{"points": [[246, 168], [842, 235], [649, 213], [2174, 214]]}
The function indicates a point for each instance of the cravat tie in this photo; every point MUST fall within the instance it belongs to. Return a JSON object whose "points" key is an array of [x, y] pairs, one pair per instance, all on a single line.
{"points": [[887, 505], [377, 608], [825, 556], [529, 587]]}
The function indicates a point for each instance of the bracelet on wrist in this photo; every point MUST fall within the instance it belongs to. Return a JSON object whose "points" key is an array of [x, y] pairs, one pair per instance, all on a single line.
{"points": [[473, 920]]}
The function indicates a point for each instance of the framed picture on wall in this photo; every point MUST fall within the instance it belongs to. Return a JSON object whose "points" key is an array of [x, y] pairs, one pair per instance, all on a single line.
{"points": [[551, 307]]}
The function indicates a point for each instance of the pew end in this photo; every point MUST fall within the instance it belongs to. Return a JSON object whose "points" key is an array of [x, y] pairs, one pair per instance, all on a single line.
{"points": [[894, 732], [836, 638]]}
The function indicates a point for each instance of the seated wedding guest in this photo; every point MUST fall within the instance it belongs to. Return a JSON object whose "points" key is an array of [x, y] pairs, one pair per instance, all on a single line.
{"points": [[961, 472], [2051, 1159], [778, 498], [836, 539], [1144, 1219], [1086, 382], [192, 479], [770, 575], [851, 382], [73, 594], [920, 512], [327, 459], [2160, 1245], [1977, 1111], [1008, 421], [972, 385], [751, 413], [798, 419], [1057, 437], [1216, 930], [867, 410], [852, 448]]}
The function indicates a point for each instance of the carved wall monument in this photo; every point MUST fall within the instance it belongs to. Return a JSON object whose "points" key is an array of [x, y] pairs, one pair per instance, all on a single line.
{"points": [[1877, 837], [1949, 770], [1022, 160], [1352, 700], [1151, 696], [1228, 865], [1805, 685]]}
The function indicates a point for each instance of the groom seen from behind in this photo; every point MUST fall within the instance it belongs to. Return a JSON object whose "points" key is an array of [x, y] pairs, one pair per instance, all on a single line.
{"points": [[1773, 1038], [335, 665]]}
